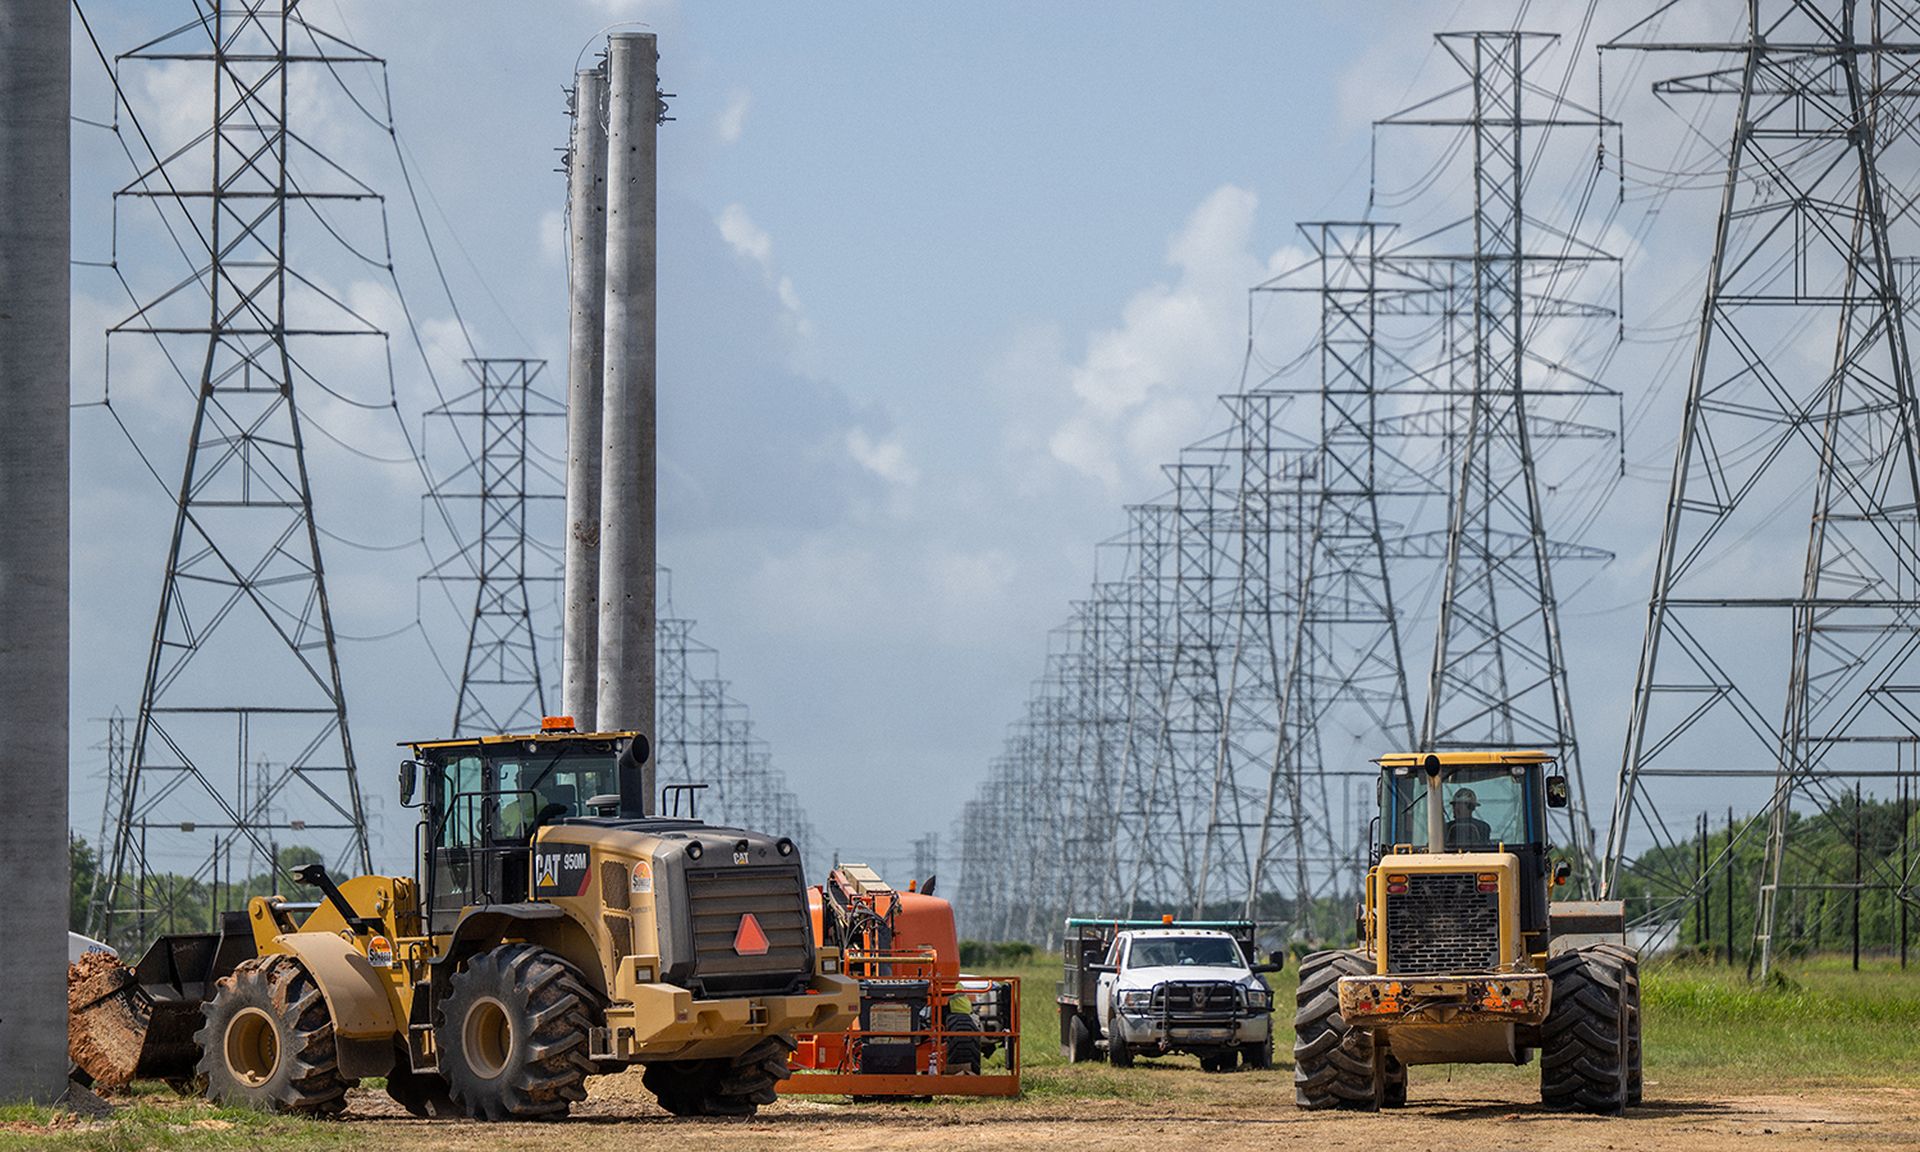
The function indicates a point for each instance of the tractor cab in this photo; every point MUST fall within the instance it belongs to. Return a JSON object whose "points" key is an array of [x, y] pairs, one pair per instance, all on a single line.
{"points": [[1444, 805], [486, 798]]}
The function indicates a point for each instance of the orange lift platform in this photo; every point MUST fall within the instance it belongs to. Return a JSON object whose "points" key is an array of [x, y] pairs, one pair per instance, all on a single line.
{"points": [[924, 1028]]}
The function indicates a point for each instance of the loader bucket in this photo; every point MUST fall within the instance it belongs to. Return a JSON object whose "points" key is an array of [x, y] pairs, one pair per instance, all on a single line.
{"points": [[138, 1024]]}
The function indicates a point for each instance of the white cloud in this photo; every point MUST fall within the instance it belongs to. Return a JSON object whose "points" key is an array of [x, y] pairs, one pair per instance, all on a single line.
{"points": [[1143, 386], [884, 457], [732, 120], [745, 237]]}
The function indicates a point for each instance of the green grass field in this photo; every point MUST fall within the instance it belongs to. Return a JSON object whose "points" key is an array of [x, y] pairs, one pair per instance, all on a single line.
{"points": [[1707, 1030]]}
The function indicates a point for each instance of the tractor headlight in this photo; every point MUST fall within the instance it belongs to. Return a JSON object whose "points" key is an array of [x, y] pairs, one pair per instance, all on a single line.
{"points": [[1136, 999], [1259, 999]]}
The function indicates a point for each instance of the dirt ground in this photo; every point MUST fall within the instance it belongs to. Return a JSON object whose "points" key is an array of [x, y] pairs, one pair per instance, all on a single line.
{"points": [[1187, 1109]]}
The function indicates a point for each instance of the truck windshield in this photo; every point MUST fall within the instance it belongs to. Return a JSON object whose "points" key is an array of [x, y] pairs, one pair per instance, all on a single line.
{"points": [[1482, 806], [1185, 952]]}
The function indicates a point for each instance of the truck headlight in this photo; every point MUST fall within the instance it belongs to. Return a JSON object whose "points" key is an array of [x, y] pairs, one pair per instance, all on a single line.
{"points": [[1259, 999], [1136, 999]]}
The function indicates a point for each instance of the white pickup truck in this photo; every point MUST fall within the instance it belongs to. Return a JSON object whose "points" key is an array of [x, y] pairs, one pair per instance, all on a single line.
{"points": [[1151, 989]]}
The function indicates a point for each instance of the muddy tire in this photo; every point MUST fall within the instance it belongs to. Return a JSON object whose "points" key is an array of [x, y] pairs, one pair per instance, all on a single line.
{"points": [[512, 1031], [1079, 1048], [1119, 1052], [1394, 1083], [268, 1042], [1631, 959], [1333, 1065], [722, 1087], [1585, 1054]]}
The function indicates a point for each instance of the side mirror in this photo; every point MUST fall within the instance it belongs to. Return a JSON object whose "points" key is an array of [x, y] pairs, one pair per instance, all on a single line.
{"points": [[1562, 872], [1557, 794], [1276, 962], [409, 777]]}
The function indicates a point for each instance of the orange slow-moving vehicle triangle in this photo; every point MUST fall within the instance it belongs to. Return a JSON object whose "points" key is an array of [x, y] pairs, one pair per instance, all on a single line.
{"points": [[750, 940]]}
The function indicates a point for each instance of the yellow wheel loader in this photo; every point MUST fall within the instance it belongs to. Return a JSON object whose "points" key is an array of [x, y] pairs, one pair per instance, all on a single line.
{"points": [[1465, 959], [553, 932]]}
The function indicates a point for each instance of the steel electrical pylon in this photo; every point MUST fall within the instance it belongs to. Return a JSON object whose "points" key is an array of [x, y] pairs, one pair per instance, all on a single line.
{"points": [[1798, 677], [502, 686], [1498, 677], [243, 665]]}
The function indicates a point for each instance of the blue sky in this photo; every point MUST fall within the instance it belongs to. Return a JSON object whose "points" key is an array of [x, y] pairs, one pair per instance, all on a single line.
{"points": [[941, 286]]}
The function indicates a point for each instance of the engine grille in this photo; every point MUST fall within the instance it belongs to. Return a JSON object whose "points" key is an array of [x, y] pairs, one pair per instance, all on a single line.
{"points": [[1443, 923], [717, 899], [1196, 1000]]}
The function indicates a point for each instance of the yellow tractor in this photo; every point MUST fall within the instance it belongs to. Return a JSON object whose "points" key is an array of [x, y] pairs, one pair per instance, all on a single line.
{"points": [[1465, 959], [553, 932]]}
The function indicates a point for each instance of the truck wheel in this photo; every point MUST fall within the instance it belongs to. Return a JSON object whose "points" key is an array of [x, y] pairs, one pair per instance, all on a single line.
{"points": [[963, 1050], [268, 1041], [1118, 1053], [512, 1031], [422, 1094], [721, 1086], [1584, 1055], [1079, 1046], [1258, 1055], [1333, 1065]]}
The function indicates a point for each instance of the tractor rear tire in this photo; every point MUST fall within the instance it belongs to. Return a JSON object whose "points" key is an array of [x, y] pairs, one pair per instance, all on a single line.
{"points": [[1080, 1046], [1119, 1053], [513, 1031], [267, 1042], [721, 1086], [1585, 1051], [1333, 1065]]}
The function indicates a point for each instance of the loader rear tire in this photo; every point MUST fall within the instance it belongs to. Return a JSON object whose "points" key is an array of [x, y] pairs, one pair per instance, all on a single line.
{"points": [[1585, 1050], [1333, 1065], [513, 1031], [267, 1042], [734, 1086]]}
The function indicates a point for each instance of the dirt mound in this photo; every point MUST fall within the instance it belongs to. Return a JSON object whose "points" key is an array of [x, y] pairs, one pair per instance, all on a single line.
{"points": [[107, 1019]]}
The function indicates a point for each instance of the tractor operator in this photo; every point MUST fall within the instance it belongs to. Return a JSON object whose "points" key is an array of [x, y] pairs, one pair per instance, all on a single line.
{"points": [[1466, 830]]}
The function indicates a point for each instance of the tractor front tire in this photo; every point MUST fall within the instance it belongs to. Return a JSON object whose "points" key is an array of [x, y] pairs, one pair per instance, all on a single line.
{"points": [[722, 1086], [1333, 1065], [513, 1031], [1585, 1055], [267, 1041]]}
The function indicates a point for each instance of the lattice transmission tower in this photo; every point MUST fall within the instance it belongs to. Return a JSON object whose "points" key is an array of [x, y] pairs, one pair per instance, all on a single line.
{"points": [[1498, 676], [1779, 666], [243, 666], [502, 686]]}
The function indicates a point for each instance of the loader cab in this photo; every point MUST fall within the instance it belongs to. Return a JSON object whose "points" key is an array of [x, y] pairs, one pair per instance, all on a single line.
{"points": [[1467, 802], [485, 799]]}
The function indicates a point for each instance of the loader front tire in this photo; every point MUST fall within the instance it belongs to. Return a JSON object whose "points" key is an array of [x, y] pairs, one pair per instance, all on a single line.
{"points": [[267, 1041], [1333, 1065], [1585, 1050], [513, 1030], [721, 1086]]}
